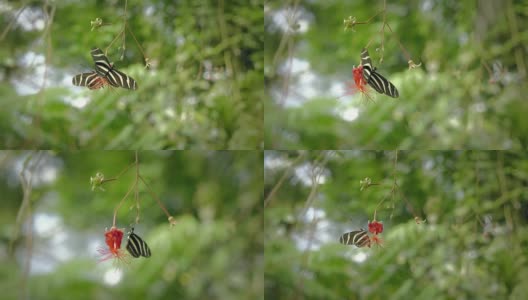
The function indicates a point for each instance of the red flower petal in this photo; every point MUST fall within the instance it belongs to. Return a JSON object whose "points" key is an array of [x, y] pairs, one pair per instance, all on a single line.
{"points": [[375, 227], [113, 239], [359, 84]]}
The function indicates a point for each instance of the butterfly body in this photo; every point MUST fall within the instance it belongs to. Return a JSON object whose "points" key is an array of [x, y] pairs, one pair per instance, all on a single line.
{"points": [[374, 79], [136, 246]]}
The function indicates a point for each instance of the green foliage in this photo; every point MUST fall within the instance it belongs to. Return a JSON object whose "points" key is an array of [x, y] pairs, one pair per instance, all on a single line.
{"points": [[472, 244], [203, 90], [213, 250], [466, 94]]}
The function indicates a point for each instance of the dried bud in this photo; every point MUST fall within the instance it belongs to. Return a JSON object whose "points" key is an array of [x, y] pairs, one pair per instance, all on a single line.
{"points": [[365, 183], [412, 65], [350, 23], [97, 181], [172, 221], [147, 63], [98, 22]]}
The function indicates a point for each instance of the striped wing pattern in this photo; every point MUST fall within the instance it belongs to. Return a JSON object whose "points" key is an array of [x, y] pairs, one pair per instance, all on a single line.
{"points": [[136, 246], [117, 78], [105, 69], [102, 64], [358, 238], [91, 80], [374, 79]]}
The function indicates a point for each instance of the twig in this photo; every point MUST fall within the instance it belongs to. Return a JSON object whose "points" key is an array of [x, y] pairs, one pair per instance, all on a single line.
{"points": [[156, 198], [287, 39], [282, 179], [317, 170], [121, 203], [134, 186], [136, 192], [8, 27], [228, 57], [24, 212]]}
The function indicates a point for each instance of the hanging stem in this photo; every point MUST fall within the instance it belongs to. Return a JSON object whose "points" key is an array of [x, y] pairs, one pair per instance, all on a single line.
{"points": [[121, 203], [155, 197], [134, 186], [116, 177], [136, 195]]}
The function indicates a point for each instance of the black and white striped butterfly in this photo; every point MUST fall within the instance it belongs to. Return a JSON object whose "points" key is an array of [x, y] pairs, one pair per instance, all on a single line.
{"points": [[374, 79], [105, 74], [358, 238], [136, 246], [112, 75], [92, 80]]}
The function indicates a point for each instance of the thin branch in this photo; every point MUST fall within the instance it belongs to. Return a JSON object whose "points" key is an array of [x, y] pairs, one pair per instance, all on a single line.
{"points": [[393, 187], [25, 213], [287, 39], [503, 187], [317, 171], [121, 203], [514, 29], [137, 43], [136, 191], [117, 36], [228, 57], [121, 173], [8, 27], [156, 198], [287, 34], [282, 179], [351, 22]]}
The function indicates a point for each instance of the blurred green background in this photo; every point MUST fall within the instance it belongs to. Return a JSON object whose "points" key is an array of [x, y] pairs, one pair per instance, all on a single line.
{"points": [[469, 92], [472, 245], [48, 243], [203, 90]]}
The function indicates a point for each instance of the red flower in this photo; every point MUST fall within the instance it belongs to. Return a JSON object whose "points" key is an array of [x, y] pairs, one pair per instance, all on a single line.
{"points": [[113, 238], [359, 84], [375, 227]]}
